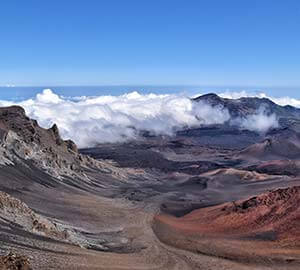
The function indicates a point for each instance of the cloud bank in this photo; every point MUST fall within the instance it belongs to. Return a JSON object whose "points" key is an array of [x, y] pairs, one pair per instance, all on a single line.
{"points": [[92, 120], [282, 101], [103, 119], [261, 121]]}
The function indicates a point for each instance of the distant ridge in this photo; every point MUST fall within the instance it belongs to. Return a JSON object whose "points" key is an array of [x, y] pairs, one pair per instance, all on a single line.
{"points": [[248, 105]]}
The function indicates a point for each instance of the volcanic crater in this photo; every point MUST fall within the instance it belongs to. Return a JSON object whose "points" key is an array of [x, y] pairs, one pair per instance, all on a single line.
{"points": [[208, 197]]}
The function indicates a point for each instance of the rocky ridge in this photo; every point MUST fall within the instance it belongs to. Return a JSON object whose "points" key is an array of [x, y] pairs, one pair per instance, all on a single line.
{"points": [[248, 105], [22, 139]]}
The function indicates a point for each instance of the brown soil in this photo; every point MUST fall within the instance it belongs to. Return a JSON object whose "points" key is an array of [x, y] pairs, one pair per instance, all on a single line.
{"points": [[264, 227]]}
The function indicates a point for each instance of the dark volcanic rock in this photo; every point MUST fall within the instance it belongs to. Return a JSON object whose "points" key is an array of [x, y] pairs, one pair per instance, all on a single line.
{"points": [[14, 119], [278, 144], [248, 105], [129, 155]]}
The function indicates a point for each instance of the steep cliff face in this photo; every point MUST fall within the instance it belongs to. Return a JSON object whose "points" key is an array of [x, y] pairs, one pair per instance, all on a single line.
{"points": [[21, 139]]}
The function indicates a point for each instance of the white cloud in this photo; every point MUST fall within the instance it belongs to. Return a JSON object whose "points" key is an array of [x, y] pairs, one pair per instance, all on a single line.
{"points": [[48, 97], [91, 120], [261, 121], [283, 101], [209, 115]]}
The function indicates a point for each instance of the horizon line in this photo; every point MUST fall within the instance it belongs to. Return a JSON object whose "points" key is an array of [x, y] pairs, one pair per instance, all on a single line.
{"points": [[148, 85]]}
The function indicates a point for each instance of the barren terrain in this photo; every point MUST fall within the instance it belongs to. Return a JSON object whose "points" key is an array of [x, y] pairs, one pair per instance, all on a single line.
{"points": [[213, 197]]}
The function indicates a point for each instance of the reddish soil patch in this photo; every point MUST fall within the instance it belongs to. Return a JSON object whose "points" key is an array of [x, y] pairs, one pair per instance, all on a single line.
{"points": [[267, 225]]}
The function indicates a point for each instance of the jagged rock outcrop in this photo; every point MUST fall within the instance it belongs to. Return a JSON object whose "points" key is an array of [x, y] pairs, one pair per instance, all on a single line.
{"points": [[21, 139]]}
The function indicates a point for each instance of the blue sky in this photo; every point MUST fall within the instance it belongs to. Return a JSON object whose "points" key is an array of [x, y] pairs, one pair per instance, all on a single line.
{"points": [[139, 42]]}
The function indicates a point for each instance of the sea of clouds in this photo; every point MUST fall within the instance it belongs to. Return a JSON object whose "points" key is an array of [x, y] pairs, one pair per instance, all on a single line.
{"points": [[105, 119]]}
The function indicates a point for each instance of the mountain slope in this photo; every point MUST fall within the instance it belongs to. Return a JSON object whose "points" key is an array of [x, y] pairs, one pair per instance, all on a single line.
{"points": [[264, 227], [23, 139], [65, 210], [248, 105]]}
